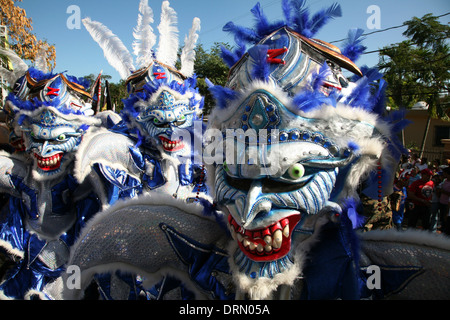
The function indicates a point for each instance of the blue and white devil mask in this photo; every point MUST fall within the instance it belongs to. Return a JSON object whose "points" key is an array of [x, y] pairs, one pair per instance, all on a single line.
{"points": [[163, 100], [54, 119], [164, 110], [288, 144]]}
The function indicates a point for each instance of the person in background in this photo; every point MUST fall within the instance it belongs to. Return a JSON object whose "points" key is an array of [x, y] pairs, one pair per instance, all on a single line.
{"points": [[420, 194], [435, 201], [414, 175], [435, 165], [405, 162], [444, 192], [423, 164], [398, 201], [415, 160]]}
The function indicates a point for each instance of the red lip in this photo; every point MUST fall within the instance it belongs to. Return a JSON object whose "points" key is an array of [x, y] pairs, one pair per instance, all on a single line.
{"points": [[171, 146], [266, 244], [18, 144], [49, 163]]}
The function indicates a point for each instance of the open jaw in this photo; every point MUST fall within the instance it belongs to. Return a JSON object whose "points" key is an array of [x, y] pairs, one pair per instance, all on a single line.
{"points": [[49, 163], [18, 144], [266, 244], [171, 146]]}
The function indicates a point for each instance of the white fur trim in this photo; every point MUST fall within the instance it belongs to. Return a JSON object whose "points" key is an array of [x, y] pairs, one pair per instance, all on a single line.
{"points": [[12, 251], [261, 288], [411, 236]]}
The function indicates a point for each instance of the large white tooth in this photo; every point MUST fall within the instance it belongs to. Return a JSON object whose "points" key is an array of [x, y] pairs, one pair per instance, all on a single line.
{"points": [[268, 248], [239, 237], [259, 247], [277, 239], [234, 235], [286, 231], [246, 243], [268, 240], [252, 246]]}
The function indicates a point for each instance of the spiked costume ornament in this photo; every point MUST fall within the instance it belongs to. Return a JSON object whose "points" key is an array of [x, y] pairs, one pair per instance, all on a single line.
{"points": [[47, 207], [159, 114], [293, 141]]}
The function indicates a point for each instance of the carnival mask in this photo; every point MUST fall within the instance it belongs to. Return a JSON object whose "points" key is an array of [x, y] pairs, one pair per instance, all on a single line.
{"points": [[164, 117], [163, 107], [294, 143], [54, 120]]}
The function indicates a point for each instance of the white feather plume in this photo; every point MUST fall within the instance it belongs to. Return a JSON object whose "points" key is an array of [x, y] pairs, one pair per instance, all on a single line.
{"points": [[40, 62], [168, 36], [145, 39], [115, 51], [19, 66], [188, 53]]}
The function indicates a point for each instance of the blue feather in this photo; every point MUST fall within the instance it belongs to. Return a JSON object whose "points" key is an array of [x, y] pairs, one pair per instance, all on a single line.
{"points": [[319, 19], [350, 210], [262, 24], [85, 83], [242, 33], [299, 14], [222, 95], [261, 68], [84, 127], [318, 78], [229, 57], [361, 94], [353, 146], [288, 10], [38, 75], [309, 100], [353, 48]]}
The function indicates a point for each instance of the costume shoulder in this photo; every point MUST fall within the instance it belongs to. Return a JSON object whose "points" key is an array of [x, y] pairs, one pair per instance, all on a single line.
{"points": [[108, 148], [11, 167], [173, 232], [411, 264]]}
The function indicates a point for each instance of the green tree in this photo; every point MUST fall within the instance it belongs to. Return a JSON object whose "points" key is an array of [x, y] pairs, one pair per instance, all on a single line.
{"points": [[418, 69], [118, 92], [211, 66]]}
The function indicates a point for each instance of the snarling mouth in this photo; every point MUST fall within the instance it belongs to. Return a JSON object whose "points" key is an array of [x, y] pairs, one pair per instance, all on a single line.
{"points": [[49, 163], [18, 144], [266, 244], [171, 146]]}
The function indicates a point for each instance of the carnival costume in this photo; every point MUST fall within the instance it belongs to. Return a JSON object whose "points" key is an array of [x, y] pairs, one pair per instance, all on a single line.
{"points": [[288, 145], [47, 206], [150, 152]]}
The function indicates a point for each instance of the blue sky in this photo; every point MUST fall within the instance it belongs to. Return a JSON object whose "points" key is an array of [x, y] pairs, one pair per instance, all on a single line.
{"points": [[79, 55]]}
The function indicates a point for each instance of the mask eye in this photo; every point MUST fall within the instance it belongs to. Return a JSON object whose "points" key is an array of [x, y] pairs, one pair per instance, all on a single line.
{"points": [[160, 124], [181, 121], [61, 137], [296, 171]]}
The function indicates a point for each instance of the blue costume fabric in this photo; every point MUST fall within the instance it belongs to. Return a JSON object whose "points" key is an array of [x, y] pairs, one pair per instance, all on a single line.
{"points": [[272, 212], [47, 207]]}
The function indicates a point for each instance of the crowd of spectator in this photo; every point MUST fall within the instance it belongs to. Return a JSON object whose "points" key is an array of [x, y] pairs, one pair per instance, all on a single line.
{"points": [[420, 198]]}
